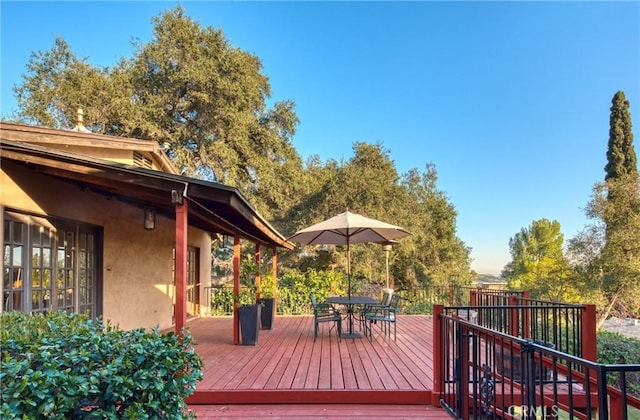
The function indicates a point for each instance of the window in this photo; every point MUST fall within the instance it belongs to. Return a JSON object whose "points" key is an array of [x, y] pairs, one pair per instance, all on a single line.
{"points": [[50, 264]]}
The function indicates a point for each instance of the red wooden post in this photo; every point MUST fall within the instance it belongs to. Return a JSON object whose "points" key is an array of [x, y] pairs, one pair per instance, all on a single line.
{"points": [[236, 288], [274, 273], [526, 314], [257, 278], [473, 298], [438, 344], [589, 343], [274, 262], [513, 315], [182, 213], [616, 408]]}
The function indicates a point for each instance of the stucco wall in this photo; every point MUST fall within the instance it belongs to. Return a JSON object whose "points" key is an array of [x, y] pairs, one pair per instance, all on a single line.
{"points": [[138, 286]]}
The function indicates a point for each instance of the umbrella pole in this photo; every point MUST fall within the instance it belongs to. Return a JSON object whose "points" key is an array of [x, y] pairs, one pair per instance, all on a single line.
{"points": [[348, 269], [386, 257]]}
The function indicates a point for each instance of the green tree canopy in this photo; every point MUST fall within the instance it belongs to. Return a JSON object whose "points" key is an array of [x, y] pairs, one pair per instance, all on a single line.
{"points": [[189, 90], [538, 263], [369, 184], [206, 102], [613, 263], [57, 82]]}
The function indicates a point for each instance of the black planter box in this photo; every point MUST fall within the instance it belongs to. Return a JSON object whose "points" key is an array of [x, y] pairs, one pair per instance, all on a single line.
{"points": [[249, 316], [267, 313]]}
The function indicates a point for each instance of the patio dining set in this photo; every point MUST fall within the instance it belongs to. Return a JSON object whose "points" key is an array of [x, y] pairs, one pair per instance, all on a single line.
{"points": [[364, 311], [345, 229]]}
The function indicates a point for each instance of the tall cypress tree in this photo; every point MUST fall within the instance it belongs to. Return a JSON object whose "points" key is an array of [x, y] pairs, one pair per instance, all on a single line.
{"points": [[621, 156], [620, 212]]}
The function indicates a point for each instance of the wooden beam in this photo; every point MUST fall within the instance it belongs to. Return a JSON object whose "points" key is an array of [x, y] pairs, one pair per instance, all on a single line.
{"points": [[236, 288], [274, 262], [438, 385], [274, 273], [589, 326], [182, 213], [513, 316], [257, 278]]}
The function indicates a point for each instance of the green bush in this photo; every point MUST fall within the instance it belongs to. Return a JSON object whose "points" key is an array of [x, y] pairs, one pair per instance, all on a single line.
{"points": [[413, 308], [614, 348], [62, 366], [294, 289]]}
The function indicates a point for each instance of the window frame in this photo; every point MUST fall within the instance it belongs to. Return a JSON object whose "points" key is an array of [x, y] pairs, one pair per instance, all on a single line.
{"points": [[72, 284]]}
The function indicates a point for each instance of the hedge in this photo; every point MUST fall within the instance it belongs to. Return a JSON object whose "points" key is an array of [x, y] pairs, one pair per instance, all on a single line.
{"points": [[614, 348], [66, 366]]}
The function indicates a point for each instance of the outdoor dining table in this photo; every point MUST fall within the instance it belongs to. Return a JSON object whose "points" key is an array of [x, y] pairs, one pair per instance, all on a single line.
{"points": [[350, 302]]}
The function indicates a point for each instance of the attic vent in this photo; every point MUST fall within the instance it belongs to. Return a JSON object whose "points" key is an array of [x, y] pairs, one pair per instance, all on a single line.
{"points": [[140, 160]]}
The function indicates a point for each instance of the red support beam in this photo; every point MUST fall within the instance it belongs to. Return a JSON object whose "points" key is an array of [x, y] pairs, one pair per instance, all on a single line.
{"points": [[257, 278], [274, 262], [182, 213], [526, 318], [589, 342], [438, 386], [513, 316], [274, 273], [236, 288]]}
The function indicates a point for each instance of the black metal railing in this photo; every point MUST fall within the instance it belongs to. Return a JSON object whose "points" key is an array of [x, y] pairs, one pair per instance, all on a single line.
{"points": [[416, 300], [484, 373], [556, 322], [549, 322]]}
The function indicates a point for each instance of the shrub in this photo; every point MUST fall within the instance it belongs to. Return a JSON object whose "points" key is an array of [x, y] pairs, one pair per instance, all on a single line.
{"points": [[267, 287], [614, 348], [61, 366], [294, 289]]}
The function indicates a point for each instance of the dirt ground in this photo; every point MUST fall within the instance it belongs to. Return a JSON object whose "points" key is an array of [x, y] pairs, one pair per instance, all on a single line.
{"points": [[626, 326]]}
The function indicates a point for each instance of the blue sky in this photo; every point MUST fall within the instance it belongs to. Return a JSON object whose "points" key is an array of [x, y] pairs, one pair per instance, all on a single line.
{"points": [[509, 100]]}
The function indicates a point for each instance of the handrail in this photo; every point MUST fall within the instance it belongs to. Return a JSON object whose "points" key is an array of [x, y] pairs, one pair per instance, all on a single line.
{"points": [[478, 369], [569, 327]]}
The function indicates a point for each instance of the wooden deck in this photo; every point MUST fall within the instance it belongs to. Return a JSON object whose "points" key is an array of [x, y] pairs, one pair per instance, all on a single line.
{"points": [[287, 367]]}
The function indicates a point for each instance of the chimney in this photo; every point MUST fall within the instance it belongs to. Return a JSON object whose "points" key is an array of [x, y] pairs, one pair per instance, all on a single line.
{"points": [[80, 128]]}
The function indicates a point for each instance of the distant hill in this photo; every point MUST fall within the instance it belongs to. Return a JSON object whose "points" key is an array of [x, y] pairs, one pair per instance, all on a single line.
{"points": [[489, 281]]}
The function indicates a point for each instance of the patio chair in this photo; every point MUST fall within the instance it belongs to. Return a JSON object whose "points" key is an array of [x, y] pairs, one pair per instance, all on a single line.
{"points": [[323, 312], [384, 300], [384, 316]]}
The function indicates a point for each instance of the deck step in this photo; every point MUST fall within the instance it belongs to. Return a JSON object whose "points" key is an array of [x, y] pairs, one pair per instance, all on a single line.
{"points": [[306, 396]]}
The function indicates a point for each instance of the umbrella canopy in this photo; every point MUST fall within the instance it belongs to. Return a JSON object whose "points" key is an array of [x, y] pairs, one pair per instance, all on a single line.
{"points": [[348, 228]]}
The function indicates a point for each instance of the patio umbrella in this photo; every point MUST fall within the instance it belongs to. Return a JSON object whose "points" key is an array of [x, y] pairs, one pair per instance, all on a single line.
{"points": [[345, 229]]}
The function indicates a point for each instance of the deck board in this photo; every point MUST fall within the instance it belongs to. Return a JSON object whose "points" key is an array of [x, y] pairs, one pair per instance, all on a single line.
{"points": [[287, 365]]}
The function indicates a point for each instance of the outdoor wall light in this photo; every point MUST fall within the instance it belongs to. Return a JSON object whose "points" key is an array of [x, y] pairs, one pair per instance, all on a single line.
{"points": [[149, 218]]}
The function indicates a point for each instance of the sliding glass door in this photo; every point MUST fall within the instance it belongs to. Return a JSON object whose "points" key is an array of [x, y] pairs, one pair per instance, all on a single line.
{"points": [[50, 265]]}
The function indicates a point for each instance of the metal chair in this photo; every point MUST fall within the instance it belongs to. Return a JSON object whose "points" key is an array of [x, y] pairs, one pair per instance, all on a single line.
{"points": [[384, 315], [385, 299], [323, 312]]}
